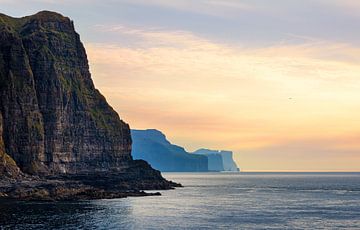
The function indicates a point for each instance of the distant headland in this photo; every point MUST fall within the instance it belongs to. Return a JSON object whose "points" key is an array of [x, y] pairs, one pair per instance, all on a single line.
{"points": [[151, 145]]}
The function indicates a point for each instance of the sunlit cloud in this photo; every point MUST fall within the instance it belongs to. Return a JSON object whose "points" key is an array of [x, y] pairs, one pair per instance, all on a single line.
{"points": [[224, 8], [348, 4], [275, 81], [207, 94]]}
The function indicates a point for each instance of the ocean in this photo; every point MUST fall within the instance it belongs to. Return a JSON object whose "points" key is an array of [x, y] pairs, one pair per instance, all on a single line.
{"points": [[209, 201]]}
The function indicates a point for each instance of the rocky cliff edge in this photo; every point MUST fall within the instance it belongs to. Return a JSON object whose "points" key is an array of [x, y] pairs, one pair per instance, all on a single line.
{"points": [[60, 139]]}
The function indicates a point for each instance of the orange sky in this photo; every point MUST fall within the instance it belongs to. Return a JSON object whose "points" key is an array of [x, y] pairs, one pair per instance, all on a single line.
{"points": [[276, 82], [283, 107]]}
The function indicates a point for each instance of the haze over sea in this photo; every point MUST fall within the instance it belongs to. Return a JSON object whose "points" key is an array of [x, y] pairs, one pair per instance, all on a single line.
{"points": [[277, 82], [209, 201]]}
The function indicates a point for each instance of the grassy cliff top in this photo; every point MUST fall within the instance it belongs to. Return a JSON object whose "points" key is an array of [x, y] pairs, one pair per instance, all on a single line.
{"points": [[44, 16]]}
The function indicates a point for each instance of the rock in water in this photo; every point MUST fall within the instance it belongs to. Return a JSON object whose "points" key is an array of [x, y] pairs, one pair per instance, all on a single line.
{"points": [[55, 122]]}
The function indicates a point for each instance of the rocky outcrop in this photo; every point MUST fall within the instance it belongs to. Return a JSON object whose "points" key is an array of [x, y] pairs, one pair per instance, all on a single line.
{"points": [[219, 160], [132, 181], [55, 123], [151, 145], [55, 119]]}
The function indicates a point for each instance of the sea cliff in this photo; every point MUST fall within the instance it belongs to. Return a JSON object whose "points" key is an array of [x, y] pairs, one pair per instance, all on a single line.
{"points": [[151, 145], [219, 160], [60, 139]]}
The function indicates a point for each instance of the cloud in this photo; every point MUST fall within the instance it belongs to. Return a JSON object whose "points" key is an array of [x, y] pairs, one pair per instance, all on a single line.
{"points": [[349, 4], [204, 93], [22, 2], [224, 8], [319, 58], [157, 37], [270, 98]]}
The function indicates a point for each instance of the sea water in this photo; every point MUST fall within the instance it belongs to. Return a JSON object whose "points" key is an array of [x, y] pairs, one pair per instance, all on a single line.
{"points": [[209, 201]]}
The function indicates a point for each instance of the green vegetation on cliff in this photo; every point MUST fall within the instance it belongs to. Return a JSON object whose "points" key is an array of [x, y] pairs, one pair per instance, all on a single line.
{"points": [[56, 120], [8, 167]]}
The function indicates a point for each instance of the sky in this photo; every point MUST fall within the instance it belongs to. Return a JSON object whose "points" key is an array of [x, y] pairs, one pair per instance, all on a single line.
{"points": [[277, 82]]}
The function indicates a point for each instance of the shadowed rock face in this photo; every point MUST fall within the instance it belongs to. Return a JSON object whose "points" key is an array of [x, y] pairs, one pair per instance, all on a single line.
{"points": [[151, 145], [8, 167], [54, 123], [55, 119]]}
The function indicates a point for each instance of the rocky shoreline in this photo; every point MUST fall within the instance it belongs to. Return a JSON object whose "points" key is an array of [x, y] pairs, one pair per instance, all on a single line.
{"points": [[85, 186], [63, 190]]}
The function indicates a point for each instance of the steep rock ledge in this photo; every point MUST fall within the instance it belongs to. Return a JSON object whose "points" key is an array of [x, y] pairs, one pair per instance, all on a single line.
{"points": [[56, 125]]}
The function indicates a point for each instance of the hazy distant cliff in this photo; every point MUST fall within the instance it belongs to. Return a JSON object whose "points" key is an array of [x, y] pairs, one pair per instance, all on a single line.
{"points": [[151, 145], [53, 120], [219, 160]]}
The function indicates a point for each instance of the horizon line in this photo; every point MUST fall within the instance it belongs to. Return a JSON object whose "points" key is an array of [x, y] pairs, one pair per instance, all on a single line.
{"points": [[300, 171]]}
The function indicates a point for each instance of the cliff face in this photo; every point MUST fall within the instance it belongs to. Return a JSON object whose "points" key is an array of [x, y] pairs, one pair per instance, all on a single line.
{"points": [[54, 120], [151, 145], [215, 162], [8, 167], [229, 163], [55, 124], [219, 160]]}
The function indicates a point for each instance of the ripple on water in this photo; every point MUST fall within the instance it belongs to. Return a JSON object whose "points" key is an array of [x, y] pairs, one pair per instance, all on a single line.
{"points": [[208, 201]]}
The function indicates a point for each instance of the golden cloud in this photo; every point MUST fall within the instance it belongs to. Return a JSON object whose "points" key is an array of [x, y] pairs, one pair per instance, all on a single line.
{"points": [[203, 93]]}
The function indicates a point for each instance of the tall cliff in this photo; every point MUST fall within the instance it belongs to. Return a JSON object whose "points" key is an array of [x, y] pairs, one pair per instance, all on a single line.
{"points": [[151, 145], [8, 167], [219, 160], [55, 125], [55, 121]]}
